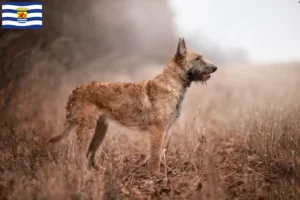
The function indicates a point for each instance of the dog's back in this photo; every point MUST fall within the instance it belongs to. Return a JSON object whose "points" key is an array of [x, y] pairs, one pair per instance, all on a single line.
{"points": [[126, 103]]}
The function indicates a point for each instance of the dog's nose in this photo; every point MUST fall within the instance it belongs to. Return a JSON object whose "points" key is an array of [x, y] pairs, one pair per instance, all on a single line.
{"points": [[214, 68]]}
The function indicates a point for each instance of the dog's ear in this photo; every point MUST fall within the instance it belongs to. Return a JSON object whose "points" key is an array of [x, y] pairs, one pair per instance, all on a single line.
{"points": [[181, 49]]}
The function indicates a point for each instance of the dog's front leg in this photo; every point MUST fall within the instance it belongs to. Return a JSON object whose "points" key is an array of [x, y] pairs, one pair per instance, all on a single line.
{"points": [[165, 146], [156, 138]]}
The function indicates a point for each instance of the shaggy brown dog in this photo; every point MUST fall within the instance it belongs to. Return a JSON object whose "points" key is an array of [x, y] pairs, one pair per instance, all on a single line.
{"points": [[151, 106]]}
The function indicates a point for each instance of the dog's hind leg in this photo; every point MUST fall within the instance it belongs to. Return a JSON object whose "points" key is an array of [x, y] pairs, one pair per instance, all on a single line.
{"points": [[97, 139]]}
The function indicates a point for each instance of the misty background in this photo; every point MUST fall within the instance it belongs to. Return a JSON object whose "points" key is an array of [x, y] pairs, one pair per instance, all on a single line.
{"points": [[264, 31], [103, 40]]}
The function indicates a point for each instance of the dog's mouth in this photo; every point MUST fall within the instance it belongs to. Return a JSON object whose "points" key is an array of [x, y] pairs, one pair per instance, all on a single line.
{"points": [[197, 75], [205, 76]]}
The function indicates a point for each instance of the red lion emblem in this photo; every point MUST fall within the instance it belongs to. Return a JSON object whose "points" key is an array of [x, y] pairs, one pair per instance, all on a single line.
{"points": [[22, 15]]}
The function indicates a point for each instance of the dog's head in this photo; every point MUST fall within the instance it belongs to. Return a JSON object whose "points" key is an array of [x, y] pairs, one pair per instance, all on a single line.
{"points": [[194, 65]]}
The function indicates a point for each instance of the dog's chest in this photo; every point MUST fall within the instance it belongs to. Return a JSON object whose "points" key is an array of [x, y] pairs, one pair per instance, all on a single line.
{"points": [[176, 110]]}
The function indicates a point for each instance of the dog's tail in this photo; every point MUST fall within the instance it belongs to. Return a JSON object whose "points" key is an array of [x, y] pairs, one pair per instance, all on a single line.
{"points": [[67, 130]]}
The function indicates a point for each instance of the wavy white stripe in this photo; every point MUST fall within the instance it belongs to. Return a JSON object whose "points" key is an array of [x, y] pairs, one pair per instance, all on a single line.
{"points": [[15, 7], [22, 24], [14, 15]]}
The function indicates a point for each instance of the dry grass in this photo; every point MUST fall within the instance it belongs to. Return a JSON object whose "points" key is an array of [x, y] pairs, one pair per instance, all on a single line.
{"points": [[238, 138]]}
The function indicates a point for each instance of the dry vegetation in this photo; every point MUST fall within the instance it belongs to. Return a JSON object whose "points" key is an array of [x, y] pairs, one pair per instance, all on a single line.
{"points": [[238, 138]]}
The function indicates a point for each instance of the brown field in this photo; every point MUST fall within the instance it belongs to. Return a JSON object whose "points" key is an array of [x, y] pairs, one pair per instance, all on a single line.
{"points": [[237, 138]]}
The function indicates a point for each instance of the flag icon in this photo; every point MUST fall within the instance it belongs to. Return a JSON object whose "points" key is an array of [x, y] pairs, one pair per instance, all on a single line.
{"points": [[21, 15]]}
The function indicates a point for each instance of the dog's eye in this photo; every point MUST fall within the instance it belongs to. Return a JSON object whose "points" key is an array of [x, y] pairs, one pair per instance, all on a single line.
{"points": [[198, 58]]}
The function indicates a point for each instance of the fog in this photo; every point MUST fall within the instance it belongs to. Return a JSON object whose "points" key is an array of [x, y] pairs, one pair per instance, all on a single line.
{"points": [[268, 30], [106, 41]]}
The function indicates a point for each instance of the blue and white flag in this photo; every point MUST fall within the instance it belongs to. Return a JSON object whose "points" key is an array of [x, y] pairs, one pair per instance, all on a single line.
{"points": [[22, 15]]}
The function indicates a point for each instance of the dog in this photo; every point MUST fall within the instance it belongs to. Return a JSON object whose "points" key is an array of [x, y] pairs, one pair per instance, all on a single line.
{"points": [[152, 106]]}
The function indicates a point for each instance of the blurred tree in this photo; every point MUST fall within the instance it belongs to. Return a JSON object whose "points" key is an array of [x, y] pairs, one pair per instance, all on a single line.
{"points": [[75, 33]]}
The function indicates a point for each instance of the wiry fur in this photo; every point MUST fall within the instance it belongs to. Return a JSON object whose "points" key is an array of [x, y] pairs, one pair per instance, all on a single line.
{"points": [[151, 105]]}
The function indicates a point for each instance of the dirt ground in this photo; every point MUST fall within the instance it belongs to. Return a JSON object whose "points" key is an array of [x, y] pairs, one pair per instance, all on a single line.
{"points": [[238, 138]]}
